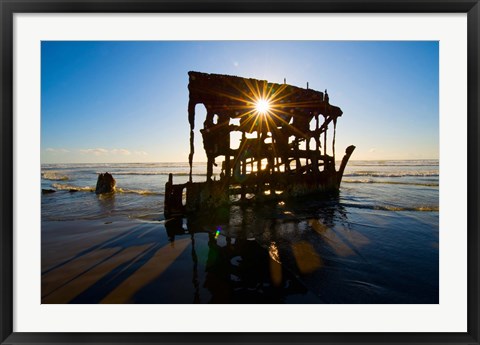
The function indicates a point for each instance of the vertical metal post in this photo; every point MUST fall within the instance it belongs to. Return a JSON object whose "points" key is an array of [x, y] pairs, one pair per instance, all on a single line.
{"points": [[191, 120], [243, 162], [334, 134], [325, 140]]}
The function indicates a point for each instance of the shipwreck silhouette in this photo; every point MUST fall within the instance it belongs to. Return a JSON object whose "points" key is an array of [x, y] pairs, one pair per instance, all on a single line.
{"points": [[283, 148]]}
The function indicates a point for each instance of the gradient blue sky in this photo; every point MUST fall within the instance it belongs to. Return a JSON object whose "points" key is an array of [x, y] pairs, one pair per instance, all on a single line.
{"points": [[127, 101]]}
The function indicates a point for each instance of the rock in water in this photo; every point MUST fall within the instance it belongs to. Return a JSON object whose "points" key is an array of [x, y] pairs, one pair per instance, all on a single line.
{"points": [[105, 184]]}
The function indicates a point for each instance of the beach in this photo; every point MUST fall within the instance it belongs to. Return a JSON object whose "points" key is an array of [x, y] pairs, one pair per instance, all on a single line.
{"points": [[375, 242]]}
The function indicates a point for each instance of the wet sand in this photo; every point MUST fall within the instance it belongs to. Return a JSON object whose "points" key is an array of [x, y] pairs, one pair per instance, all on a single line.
{"points": [[131, 261], [251, 256]]}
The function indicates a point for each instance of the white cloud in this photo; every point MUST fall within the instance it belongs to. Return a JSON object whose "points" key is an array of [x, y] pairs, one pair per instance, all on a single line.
{"points": [[372, 150], [120, 152], [96, 152], [50, 149]]}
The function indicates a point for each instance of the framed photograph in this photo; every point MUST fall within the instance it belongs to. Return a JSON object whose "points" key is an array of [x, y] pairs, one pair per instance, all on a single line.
{"points": [[239, 172]]}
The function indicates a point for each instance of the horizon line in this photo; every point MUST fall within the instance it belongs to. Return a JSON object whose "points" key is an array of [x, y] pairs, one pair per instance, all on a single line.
{"points": [[186, 162]]}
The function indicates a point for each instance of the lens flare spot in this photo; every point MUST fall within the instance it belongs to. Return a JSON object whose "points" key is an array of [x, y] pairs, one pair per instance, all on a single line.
{"points": [[217, 233]]}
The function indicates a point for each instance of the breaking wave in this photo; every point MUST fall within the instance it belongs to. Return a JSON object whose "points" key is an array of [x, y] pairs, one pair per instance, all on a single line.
{"points": [[392, 182], [395, 174], [394, 208], [92, 189], [147, 173], [396, 163], [138, 191], [68, 187], [54, 176]]}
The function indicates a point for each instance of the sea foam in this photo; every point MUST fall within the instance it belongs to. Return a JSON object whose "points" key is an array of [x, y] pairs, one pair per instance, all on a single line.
{"points": [[54, 176]]}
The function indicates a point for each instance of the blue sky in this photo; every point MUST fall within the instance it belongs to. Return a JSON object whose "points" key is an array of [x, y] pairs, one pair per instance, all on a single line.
{"points": [[127, 101]]}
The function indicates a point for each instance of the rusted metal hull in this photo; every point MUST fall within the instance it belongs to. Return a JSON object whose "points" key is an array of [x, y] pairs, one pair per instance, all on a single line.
{"points": [[191, 197], [283, 151]]}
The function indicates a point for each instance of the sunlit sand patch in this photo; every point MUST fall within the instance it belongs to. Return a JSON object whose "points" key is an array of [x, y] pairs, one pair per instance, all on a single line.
{"points": [[318, 226], [59, 248], [332, 239], [150, 271], [306, 257], [55, 279], [354, 238], [343, 245], [89, 276]]}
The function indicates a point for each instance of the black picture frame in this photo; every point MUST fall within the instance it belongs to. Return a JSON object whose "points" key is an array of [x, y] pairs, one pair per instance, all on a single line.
{"points": [[9, 7]]}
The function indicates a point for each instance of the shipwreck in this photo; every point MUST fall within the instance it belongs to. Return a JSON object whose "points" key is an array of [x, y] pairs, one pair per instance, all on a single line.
{"points": [[269, 141]]}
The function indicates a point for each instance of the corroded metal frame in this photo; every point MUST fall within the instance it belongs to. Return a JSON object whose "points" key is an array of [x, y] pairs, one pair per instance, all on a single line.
{"points": [[9, 8], [283, 148]]}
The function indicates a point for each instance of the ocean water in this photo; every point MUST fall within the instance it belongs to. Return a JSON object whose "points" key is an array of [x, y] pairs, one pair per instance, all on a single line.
{"points": [[376, 242]]}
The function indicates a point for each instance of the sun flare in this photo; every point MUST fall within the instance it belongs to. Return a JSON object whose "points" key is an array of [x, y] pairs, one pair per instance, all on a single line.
{"points": [[262, 106]]}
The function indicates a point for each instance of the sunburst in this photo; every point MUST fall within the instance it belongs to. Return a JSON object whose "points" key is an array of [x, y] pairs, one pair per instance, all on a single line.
{"points": [[262, 106]]}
